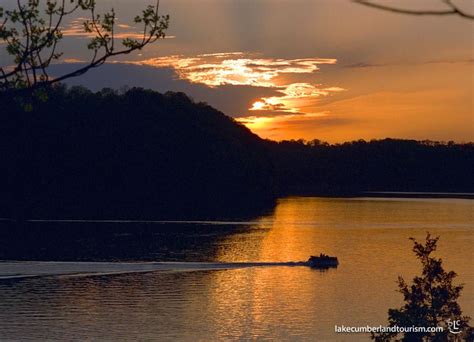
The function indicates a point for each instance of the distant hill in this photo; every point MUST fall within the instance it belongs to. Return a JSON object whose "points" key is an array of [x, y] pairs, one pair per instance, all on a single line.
{"points": [[142, 154], [355, 167]]}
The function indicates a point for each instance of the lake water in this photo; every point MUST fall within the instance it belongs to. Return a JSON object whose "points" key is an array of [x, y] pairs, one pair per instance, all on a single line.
{"points": [[183, 280]]}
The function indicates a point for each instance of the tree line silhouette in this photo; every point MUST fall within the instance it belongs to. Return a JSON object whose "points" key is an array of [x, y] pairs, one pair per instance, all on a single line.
{"points": [[377, 165], [142, 154]]}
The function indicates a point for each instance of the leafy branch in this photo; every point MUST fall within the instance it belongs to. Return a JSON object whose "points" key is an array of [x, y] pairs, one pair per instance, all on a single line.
{"points": [[33, 30]]}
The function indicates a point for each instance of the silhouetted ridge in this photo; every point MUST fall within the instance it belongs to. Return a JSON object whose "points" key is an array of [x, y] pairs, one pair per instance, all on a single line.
{"points": [[142, 154]]}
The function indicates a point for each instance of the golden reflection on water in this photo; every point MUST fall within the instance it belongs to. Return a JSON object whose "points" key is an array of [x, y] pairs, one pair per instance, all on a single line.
{"points": [[370, 237], [299, 227]]}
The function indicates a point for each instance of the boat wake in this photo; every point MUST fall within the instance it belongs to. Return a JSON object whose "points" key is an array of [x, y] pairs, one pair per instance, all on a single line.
{"points": [[31, 269]]}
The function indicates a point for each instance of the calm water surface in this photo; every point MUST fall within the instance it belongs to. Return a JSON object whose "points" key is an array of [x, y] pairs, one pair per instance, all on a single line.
{"points": [[202, 302]]}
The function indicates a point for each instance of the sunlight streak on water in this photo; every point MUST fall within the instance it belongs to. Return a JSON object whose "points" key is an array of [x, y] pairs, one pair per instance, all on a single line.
{"points": [[237, 295]]}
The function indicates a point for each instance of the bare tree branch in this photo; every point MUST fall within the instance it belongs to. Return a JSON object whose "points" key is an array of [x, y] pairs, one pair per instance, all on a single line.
{"points": [[452, 10]]}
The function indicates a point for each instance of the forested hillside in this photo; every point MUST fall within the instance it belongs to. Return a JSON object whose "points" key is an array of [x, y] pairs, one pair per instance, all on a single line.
{"points": [[142, 154]]}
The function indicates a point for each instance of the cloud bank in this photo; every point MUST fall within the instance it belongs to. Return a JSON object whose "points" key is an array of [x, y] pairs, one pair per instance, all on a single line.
{"points": [[245, 69]]}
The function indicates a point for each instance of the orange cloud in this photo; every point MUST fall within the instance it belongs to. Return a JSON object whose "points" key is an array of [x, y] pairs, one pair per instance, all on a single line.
{"points": [[292, 126], [243, 69], [294, 97], [236, 68]]}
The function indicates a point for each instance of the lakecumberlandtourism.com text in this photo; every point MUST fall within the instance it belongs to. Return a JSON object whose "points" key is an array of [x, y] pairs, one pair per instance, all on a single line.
{"points": [[385, 329]]}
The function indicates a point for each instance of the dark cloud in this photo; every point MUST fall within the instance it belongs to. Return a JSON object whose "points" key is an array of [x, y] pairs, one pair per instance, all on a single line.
{"points": [[379, 65]]}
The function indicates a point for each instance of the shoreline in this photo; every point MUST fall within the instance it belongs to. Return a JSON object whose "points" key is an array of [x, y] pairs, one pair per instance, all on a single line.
{"points": [[386, 194]]}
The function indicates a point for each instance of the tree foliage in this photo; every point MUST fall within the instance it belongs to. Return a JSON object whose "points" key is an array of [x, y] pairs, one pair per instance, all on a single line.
{"points": [[32, 33], [141, 154], [430, 301], [315, 167]]}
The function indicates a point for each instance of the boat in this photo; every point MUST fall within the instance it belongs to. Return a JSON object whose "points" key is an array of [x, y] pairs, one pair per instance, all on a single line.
{"points": [[322, 261]]}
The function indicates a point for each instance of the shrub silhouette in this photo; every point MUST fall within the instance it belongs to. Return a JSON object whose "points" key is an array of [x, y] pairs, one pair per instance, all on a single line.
{"points": [[430, 301]]}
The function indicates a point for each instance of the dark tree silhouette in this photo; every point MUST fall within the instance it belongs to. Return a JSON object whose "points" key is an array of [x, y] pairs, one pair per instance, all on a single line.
{"points": [[136, 155], [33, 30], [308, 168], [430, 301], [452, 9], [146, 155]]}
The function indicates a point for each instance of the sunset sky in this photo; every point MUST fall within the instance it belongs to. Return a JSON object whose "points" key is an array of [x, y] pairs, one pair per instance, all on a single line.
{"points": [[288, 69]]}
